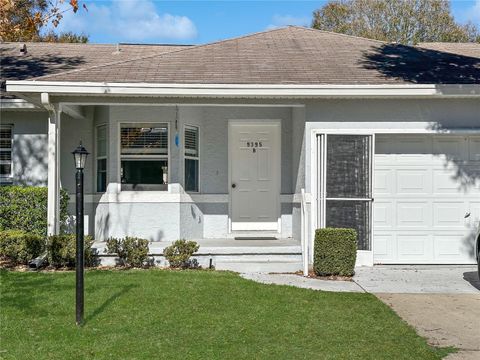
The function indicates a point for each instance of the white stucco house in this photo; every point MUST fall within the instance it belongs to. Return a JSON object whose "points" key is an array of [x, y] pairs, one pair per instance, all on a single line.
{"points": [[248, 145]]}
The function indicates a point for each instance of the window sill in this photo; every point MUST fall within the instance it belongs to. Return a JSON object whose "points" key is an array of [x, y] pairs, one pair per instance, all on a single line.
{"points": [[144, 187]]}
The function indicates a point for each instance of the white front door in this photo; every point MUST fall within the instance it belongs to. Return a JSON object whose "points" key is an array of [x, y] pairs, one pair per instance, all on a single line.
{"points": [[254, 175]]}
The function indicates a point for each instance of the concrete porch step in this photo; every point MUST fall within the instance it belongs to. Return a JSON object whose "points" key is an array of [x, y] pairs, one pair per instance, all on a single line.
{"points": [[253, 256], [254, 235]]}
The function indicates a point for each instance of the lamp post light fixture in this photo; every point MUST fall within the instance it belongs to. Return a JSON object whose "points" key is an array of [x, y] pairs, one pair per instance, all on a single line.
{"points": [[80, 156]]}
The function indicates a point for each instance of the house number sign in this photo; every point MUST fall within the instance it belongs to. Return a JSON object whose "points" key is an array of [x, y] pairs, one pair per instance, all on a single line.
{"points": [[254, 145]]}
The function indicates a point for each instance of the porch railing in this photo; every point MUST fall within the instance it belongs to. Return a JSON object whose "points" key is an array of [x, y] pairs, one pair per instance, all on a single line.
{"points": [[304, 231]]}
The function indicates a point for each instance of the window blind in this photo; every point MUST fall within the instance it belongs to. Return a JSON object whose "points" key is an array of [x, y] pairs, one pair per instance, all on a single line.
{"points": [[191, 141], [144, 140]]}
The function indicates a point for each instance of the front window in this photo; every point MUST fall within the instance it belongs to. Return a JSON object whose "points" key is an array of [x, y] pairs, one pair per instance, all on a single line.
{"points": [[101, 151], [144, 156], [5, 151], [192, 158]]}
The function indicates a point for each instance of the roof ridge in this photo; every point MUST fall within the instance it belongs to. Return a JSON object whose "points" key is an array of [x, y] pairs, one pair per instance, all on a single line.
{"points": [[187, 48], [339, 34]]}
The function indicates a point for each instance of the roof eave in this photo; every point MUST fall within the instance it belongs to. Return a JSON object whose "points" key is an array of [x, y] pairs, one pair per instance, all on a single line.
{"points": [[242, 90]]}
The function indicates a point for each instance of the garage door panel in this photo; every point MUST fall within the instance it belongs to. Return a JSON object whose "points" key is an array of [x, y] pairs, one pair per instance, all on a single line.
{"points": [[414, 247], [474, 210], [449, 148], [413, 150], [412, 214], [446, 182], [422, 197], [384, 182], [448, 248], [474, 148], [385, 247], [448, 214], [413, 181], [383, 215]]}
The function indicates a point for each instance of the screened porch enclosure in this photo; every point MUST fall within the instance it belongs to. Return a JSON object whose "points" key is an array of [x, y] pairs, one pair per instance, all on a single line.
{"points": [[345, 184]]}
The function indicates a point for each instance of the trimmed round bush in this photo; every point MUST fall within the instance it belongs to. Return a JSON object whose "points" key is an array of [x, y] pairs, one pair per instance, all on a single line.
{"points": [[19, 247], [335, 252], [61, 250], [131, 251], [179, 253]]}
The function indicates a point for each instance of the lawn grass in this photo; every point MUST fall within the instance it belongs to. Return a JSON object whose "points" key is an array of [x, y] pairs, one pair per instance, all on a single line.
{"points": [[194, 315]]}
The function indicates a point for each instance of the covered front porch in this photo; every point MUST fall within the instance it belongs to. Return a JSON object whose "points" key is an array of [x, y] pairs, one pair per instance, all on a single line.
{"points": [[227, 175]]}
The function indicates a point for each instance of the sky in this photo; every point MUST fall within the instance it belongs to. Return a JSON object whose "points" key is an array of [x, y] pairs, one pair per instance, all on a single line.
{"points": [[196, 22]]}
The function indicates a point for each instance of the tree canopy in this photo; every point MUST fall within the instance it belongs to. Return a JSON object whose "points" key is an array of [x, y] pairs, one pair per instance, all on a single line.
{"points": [[403, 21], [35, 20]]}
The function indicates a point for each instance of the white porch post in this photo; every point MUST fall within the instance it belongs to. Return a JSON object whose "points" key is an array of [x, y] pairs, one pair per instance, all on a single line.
{"points": [[53, 181]]}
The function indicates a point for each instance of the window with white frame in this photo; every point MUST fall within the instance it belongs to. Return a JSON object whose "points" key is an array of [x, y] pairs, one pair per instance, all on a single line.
{"points": [[144, 156], [101, 153], [192, 158], [6, 151]]}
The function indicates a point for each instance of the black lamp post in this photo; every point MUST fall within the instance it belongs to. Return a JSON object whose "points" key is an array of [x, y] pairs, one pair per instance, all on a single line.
{"points": [[80, 156]]}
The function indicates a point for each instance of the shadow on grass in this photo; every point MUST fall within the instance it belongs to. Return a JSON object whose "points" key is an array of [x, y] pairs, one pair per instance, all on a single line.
{"points": [[108, 302], [24, 293]]}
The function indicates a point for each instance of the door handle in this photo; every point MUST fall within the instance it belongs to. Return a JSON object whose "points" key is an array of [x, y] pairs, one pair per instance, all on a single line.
{"points": [[467, 215], [234, 186]]}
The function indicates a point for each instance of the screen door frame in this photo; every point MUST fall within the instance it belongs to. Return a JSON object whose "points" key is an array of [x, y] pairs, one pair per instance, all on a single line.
{"points": [[320, 139]]}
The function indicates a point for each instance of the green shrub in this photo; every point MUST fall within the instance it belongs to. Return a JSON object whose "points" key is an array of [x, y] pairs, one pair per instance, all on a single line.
{"points": [[179, 253], [19, 247], [335, 252], [25, 208], [131, 251], [61, 250]]}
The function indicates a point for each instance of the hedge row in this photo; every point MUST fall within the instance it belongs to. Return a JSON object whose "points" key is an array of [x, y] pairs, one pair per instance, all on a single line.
{"points": [[335, 252], [25, 208], [19, 247]]}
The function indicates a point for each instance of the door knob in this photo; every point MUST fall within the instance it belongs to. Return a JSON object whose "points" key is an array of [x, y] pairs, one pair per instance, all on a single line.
{"points": [[234, 186]]}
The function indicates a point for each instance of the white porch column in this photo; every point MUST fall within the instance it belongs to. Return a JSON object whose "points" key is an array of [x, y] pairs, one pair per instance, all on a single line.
{"points": [[53, 205]]}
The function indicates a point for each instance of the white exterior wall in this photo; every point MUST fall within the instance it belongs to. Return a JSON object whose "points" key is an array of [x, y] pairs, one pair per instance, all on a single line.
{"points": [[29, 152], [206, 216]]}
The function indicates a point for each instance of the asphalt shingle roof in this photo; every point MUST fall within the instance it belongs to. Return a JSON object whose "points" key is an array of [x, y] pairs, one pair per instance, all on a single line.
{"points": [[292, 55], [464, 49], [43, 58]]}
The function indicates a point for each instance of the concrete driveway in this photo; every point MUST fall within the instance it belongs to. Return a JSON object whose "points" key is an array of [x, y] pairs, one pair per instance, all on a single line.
{"points": [[441, 302], [415, 279]]}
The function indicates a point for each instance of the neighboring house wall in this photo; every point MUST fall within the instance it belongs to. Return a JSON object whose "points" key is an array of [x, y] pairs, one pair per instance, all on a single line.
{"points": [[29, 151]]}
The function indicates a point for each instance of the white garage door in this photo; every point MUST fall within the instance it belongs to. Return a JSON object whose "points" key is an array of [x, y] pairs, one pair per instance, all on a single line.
{"points": [[427, 199]]}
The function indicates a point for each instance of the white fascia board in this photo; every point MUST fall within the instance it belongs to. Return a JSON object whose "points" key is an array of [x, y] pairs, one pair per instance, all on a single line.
{"points": [[16, 104], [240, 90]]}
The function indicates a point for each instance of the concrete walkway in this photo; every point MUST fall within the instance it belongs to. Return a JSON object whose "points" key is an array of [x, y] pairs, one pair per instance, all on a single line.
{"points": [[303, 282]]}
